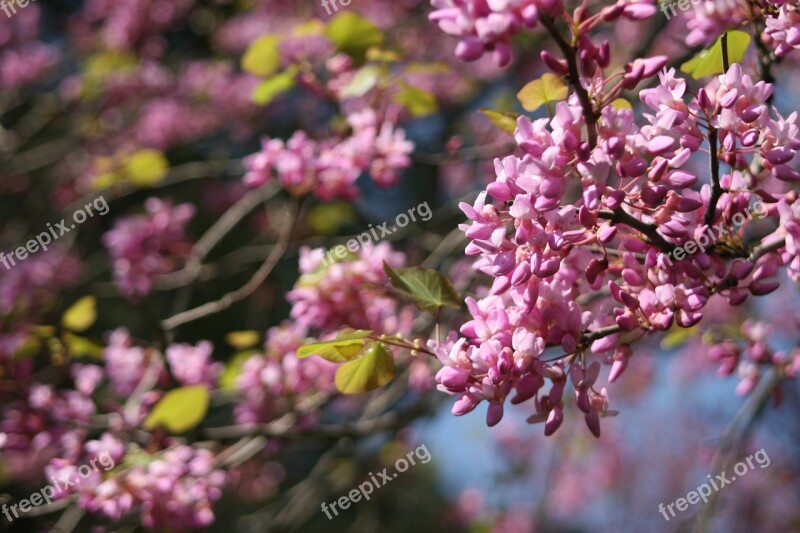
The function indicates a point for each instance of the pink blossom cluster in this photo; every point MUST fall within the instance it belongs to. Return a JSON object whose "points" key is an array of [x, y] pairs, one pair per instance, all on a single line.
{"points": [[23, 58], [349, 293], [585, 186], [783, 31], [329, 168], [129, 24], [174, 489], [488, 25], [271, 384], [143, 247]]}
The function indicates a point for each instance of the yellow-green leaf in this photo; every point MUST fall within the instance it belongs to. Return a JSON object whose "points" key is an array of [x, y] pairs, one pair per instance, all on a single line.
{"points": [[146, 167], [429, 289], [373, 370], [677, 337], [81, 315], [344, 348], [83, 347], [242, 340], [365, 79], [709, 61], [272, 87], [548, 88], [326, 219], [505, 121], [419, 102], [233, 369], [621, 103], [262, 57], [179, 410], [353, 34], [384, 56]]}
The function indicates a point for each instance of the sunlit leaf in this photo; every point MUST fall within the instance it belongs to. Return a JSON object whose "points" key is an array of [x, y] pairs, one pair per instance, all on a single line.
{"points": [[146, 167], [262, 57], [272, 87], [344, 348], [548, 88], [677, 337], [179, 410], [81, 315], [233, 369], [419, 102], [505, 121], [374, 369], [242, 340], [364, 80], [83, 347], [353, 34], [709, 61], [327, 219], [621, 103], [428, 289]]}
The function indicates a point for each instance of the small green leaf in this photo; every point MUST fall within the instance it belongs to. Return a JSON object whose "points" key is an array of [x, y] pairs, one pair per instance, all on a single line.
{"points": [[233, 369], [505, 121], [262, 57], [242, 340], [373, 370], [427, 288], [364, 80], [81, 315], [146, 168], [327, 219], [548, 88], [677, 337], [353, 34], [621, 103], [272, 87], [179, 410], [709, 61], [344, 348], [382, 56], [83, 347], [419, 102]]}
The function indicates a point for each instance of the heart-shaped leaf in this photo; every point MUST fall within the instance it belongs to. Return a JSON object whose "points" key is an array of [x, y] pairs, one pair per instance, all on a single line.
{"points": [[427, 288], [373, 370]]}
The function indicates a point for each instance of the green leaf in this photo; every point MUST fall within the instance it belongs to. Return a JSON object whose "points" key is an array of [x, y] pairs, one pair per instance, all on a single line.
{"points": [[505, 121], [427, 288], [677, 337], [353, 34], [548, 88], [709, 62], [373, 370], [262, 57], [344, 348], [146, 167], [180, 409], [327, 219], [419, 102], [274, 86], [621, 103], [81, 315], [242, 340], [83, 347], [364, 80], [233, 369]]}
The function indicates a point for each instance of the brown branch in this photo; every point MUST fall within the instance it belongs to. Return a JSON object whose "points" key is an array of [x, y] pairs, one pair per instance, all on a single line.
{"points": [[248, 288]]}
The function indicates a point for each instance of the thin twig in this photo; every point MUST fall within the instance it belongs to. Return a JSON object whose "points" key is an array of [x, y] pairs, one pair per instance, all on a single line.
{"points": [[248, 288]]}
